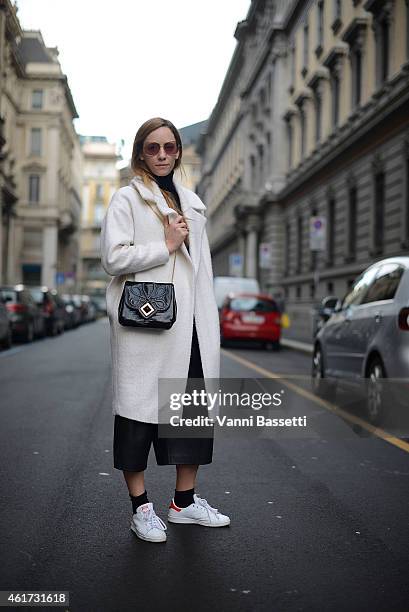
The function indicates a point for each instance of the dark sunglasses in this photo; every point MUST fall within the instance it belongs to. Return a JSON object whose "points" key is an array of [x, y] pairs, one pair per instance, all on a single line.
{"points": [[153, 148]]}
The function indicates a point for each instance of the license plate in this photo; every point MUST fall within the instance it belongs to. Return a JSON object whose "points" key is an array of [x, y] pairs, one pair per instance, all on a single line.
{"points": [[252, 318]]}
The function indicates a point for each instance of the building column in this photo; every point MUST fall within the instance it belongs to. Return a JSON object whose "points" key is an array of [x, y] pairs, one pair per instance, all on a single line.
{"points": [[50, 245], [251, 262]]}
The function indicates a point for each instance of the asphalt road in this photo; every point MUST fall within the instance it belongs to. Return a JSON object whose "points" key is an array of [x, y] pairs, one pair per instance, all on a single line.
{"points": [[319, 518]]}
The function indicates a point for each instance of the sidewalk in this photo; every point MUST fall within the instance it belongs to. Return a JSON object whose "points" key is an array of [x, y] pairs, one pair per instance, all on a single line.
{"points": [[304, 345]]}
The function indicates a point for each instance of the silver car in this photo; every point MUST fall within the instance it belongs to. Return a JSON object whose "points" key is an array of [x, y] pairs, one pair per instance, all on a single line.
{"points": [[366, 340]]}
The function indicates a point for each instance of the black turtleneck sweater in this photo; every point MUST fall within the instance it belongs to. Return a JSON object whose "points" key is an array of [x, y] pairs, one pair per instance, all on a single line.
{"points": [[166, 183]]}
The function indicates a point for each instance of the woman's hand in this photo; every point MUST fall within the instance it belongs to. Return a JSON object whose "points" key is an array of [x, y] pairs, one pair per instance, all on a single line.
{"points": [[175, 233]]}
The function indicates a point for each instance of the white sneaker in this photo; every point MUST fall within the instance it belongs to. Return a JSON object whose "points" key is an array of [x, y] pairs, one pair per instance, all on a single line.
{"points": [[147, 525], [200, 513]]}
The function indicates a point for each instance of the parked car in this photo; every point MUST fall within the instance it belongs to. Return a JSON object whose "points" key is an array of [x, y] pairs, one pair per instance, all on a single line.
{"points": [[6, 333], [100, 304], [80, 306], [251, 316], [366, 339], [72, 312], [27, 319], [223, 285], [52, 309], [63, 309], [89, 308]]}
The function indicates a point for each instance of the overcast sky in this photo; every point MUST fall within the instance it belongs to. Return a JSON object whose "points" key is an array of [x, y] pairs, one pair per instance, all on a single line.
{"points": [[129, 60]]}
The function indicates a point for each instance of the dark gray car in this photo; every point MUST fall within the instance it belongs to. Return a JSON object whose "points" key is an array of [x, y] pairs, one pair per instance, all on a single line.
{"points": [[366, 340]]}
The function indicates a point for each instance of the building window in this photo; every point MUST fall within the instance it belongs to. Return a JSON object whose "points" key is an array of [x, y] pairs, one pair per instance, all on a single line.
{"points": [[331, 232], [35, 141], [357, 77], [382, 15], [337, 21], [305, 50], [352, 223], [252, 170], [37, 98], [260, 149], [335, 98], [384, 54], [303, 131], [379, 211], [318, 117], [268, 87], [355, 37], [290, 143], [268, 147], [292, 67], [320, 24], [262, 99], [298, 291], [33, 188]]}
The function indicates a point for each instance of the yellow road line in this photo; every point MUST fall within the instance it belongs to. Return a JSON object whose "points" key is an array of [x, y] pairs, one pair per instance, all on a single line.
{"points": [[376, 431]]}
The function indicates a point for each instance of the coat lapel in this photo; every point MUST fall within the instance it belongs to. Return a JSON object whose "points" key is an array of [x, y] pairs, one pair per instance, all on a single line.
{"points": [[193, 210]]}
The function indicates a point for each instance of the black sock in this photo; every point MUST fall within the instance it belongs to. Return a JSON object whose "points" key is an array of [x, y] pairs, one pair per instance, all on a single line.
{"points": [[138, 500], [183, 499]]}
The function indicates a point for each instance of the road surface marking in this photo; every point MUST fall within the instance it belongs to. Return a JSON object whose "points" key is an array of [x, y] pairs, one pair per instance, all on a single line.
{"points": [[376, 431]]}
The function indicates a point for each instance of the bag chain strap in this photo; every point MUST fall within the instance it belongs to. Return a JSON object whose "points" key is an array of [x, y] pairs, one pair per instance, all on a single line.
{"points": [[160, 216]]}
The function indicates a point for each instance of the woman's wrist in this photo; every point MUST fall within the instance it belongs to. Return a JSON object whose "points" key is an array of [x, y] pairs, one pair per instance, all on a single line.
{"points": [[170, 249]]}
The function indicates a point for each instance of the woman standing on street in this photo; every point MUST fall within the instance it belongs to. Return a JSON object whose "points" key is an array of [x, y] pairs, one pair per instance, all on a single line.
{"points": [[138, 245]]}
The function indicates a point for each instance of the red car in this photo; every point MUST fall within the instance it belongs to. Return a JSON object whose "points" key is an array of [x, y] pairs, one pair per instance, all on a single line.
{"points": [[252, 316]]}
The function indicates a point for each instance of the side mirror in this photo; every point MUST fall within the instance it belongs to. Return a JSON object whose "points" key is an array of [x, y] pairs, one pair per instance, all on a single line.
{"points": [[338, 306], [328, 306]]}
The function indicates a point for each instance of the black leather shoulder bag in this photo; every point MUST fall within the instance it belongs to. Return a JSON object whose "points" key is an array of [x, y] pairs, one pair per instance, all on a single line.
{"points": [[148, 304]]}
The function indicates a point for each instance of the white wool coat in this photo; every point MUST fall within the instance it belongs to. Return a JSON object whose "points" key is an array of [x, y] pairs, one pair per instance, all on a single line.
{"points": [[133, 248]]}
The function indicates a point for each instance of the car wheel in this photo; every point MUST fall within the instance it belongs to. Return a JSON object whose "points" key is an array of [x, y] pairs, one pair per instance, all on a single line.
{"points": [[320, 385], [29, 337], [375, 391], [272, 346], [7, 342]]}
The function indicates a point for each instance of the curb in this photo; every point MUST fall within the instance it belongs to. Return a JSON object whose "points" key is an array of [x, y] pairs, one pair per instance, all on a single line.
{"points": [[304, 347]]}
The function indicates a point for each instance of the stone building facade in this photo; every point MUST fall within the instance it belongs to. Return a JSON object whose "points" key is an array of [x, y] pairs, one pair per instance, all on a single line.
{"points": [[100, 181], [321, 93], [11, 71], [40, 165], [48, 171]]}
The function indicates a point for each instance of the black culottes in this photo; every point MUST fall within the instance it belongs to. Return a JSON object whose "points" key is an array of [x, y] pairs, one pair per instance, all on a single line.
{"points": [[133, 439]]}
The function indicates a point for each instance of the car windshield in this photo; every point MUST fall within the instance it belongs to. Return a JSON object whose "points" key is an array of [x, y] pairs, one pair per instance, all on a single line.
{"points": [[37, 295], [10, 294], [252, 303]]}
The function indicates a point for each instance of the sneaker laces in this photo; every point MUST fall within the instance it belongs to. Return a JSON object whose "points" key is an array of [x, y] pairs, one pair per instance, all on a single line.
{"points": [[153, 520], [203, 502]]}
